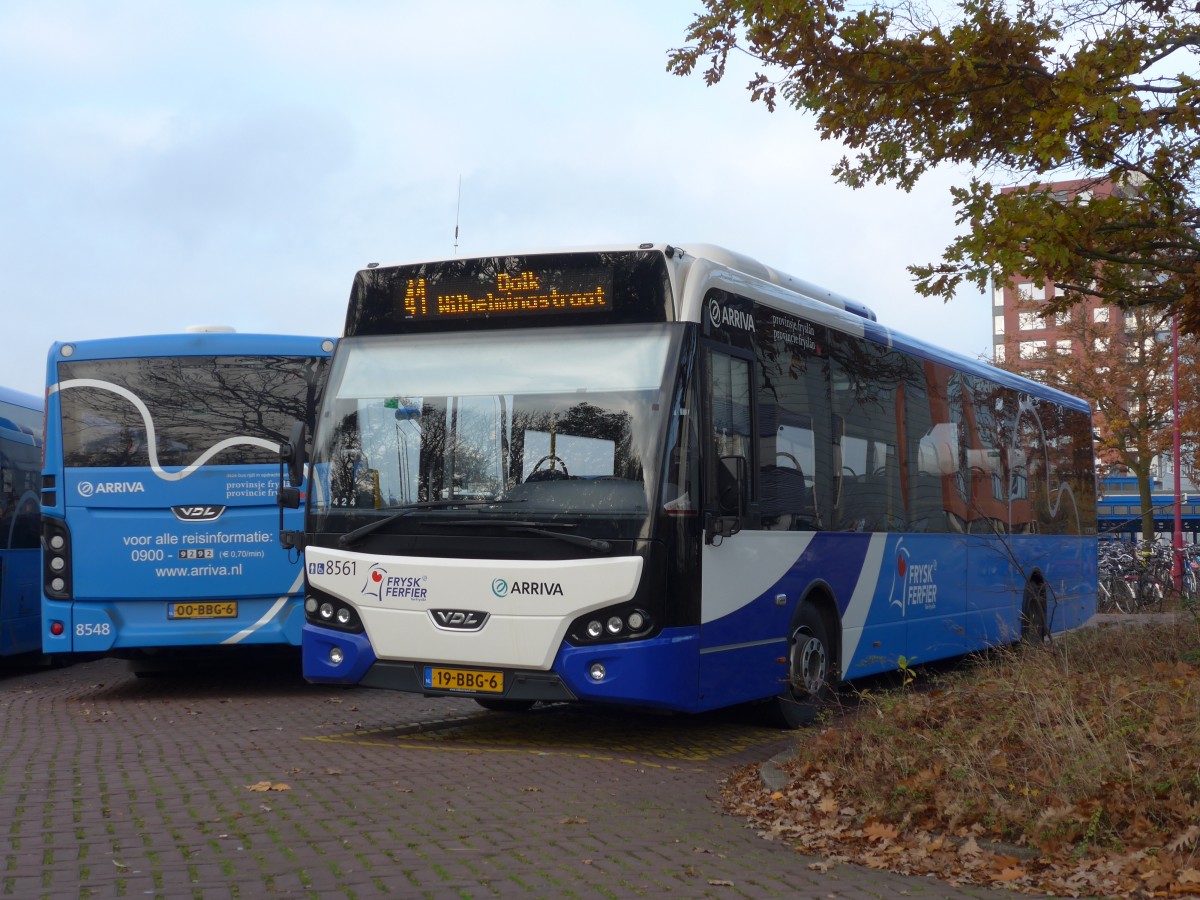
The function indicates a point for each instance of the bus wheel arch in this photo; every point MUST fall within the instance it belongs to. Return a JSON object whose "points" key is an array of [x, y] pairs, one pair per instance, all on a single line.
{"points": [[815, 617], [1035, 618], [813, 641]]}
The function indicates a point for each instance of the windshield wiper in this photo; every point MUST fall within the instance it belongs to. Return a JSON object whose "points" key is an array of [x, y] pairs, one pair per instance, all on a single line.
{"points": [[597, 545], [353, 537]]}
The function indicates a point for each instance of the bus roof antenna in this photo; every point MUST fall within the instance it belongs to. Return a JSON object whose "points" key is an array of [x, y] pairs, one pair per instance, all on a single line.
{"points": [[457, 209]]}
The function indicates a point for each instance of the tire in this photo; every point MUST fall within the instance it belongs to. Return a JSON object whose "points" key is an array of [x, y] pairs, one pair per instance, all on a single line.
{"points": [[499, 705], [1035, 626], [811, 668]]}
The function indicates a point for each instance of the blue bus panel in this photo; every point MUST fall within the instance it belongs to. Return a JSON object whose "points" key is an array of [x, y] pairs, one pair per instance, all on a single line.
{"points": [[159, 492], [20, 558]]}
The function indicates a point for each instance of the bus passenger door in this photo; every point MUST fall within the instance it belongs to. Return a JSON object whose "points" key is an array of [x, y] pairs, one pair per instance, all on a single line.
{"points": [[742, 566]]}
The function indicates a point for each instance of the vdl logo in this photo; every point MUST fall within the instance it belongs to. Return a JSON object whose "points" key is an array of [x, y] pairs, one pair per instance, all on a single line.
{"points": [[198, 513], [500, 587]]}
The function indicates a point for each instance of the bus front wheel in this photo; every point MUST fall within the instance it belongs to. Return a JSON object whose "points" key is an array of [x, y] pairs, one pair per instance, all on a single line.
{"points": [[1035, 621], [810, 667]]}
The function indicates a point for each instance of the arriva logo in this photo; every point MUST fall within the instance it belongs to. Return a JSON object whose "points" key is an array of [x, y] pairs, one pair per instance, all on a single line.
{"points": [[502, 588], [88, 489], [723, 316]]}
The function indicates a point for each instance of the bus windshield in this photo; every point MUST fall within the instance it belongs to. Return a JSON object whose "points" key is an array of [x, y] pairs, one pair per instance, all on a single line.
{"points": [[548, 423]]}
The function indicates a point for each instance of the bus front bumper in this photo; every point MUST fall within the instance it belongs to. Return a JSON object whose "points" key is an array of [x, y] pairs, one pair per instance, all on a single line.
{"points": [[660, 672]]}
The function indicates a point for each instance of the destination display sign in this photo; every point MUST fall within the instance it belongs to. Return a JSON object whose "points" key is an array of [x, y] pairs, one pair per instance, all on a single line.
{"points": [[564, 289], [530, 292]]}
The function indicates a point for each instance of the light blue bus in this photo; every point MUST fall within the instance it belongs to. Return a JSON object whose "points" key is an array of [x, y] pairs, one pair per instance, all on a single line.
{"points": [[20, 559], [159, 518], [672, 478]]}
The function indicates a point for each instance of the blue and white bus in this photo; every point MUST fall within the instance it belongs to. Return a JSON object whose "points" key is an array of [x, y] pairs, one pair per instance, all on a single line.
{"points": [[20, 557], [676, 479], [159, 515]]}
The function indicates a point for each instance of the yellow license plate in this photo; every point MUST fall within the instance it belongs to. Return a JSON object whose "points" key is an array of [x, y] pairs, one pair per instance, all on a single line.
{"points": [[217, 609], [464, 680]]}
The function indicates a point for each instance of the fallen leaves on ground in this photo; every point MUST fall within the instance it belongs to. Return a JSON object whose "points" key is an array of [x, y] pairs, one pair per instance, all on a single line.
{"points": [[263, 786], [1073, 772]]}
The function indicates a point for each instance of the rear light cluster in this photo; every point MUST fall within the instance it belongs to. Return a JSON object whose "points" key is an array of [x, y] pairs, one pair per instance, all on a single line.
{"points": [[609, 625], [329, 612], [56, 559]]}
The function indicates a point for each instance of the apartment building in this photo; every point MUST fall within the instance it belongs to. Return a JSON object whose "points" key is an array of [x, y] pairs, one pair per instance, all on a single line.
{"points": [[1049, 347]]}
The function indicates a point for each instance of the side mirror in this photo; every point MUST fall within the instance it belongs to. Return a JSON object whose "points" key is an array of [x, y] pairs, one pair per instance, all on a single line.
{"points": [[292, 454], [731, 499], [731, 485]]}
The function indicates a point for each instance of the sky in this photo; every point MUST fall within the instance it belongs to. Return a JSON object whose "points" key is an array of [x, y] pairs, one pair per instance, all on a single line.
{"points": [[166, 164]]}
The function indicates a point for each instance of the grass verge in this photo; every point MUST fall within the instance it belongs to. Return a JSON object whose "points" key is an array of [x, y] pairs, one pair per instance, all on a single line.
{"points": [[1072, 769]]}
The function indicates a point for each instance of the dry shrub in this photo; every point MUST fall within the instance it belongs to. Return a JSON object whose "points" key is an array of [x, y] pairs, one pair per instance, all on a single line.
{"points": [[1089, 745]]}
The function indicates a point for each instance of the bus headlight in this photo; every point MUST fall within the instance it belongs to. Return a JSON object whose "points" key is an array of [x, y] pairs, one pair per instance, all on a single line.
{"points": [[622, 623], [331, 612]]}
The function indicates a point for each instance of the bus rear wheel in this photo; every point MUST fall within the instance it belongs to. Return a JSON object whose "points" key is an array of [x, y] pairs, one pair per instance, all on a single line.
{"points": [[810, 667], [1035, 623]]}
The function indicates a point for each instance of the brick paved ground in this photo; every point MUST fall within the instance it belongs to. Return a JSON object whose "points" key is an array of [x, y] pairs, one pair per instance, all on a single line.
{"points": [[112, 785]]}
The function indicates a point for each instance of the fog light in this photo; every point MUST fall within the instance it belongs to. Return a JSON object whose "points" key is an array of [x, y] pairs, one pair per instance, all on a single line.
{"points": [[636, 621], [310, 604], [57, 542], [57, 563], [58, 584], [326, 610], [343, 616], [594, 629], [615, 625], [336, 656], [597, 671]]}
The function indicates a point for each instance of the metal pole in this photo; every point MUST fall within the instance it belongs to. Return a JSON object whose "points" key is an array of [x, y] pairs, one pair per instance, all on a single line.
{"points": [[1177, 537]]}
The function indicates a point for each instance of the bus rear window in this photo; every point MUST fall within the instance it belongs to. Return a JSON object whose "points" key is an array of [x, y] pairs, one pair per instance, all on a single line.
{"points": [[170, 411]]}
